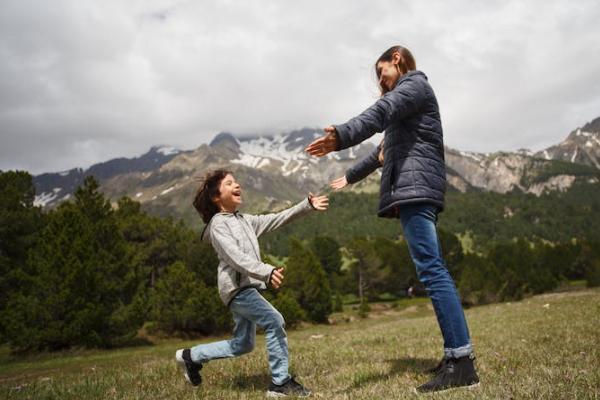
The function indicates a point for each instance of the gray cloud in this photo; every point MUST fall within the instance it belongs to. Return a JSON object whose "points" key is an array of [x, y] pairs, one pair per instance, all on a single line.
{"points": [[84, 81]]}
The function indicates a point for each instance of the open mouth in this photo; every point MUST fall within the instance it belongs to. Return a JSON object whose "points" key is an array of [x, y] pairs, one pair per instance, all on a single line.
{"points": [[237, 194]]}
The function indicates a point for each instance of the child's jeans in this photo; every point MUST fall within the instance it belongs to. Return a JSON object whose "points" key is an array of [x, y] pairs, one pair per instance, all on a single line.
{"points": [[249, 309], [418, 224]]}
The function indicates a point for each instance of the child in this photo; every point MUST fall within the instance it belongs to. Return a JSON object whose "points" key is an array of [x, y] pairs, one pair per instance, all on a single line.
{"points": [[241, 274]]}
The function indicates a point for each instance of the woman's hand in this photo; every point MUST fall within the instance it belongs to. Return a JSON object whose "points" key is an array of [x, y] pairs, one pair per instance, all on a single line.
{"points": [[277, 278], [339, 183], [323, 145], [319, 203]]}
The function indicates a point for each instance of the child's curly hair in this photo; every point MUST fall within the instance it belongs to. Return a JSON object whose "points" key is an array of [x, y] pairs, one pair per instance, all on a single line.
{"points": [[208, 190]]}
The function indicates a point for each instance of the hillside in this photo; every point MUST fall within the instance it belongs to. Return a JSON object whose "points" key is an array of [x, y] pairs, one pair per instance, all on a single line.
{"points": [[274, 171], [485, 217], [545, 347]]}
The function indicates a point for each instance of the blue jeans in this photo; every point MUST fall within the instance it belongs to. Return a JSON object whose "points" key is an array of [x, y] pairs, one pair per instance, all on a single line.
{"points": [[419, 226], [249, 309]]}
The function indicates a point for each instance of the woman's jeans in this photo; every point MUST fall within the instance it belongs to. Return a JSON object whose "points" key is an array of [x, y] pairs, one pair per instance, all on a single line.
{"points": [[249, 309], [419, 226]]}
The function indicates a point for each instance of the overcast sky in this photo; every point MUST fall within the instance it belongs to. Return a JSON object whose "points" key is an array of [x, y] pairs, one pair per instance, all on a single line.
{"points": [[85, 81]]}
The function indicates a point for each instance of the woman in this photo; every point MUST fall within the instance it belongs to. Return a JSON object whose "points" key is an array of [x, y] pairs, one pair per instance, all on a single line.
{"points": [[413, 183]]}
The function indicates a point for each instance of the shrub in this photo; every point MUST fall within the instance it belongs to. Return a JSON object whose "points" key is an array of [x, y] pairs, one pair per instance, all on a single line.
{"points": [[287, 305]]}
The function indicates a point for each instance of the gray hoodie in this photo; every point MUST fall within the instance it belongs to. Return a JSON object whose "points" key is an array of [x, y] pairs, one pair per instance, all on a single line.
{"points": [[234, 237]]}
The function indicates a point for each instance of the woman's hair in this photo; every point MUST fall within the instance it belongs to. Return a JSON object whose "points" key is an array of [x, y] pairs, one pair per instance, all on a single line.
{"points": [[407, 62], [208, 190]]}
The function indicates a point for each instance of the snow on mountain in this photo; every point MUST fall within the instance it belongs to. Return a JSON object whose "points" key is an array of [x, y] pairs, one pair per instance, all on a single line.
{"points": [[167, 151], [582, 146], [276, 169], [45, 198], [286, 150]]}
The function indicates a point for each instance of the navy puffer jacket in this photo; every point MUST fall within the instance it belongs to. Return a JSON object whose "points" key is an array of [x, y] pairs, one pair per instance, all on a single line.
{"points": [[413, 169]]}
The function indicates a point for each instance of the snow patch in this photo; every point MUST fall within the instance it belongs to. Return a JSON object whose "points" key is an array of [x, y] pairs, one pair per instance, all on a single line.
{"points": [[473, 156], [250, 161], [274, 148], [43, 199], [139, 194], [263, 163], [64, 173], [351, 154], [167, 151], [574, 156], [166, 191], [586, 134]]}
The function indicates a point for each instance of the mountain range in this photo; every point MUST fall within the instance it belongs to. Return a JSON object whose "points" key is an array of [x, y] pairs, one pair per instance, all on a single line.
{"points": [[275, 171]]}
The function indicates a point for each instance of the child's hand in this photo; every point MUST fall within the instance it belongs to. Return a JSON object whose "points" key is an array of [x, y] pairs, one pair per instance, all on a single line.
{"points": [[319, 203], [339, 183], [277, 278]]}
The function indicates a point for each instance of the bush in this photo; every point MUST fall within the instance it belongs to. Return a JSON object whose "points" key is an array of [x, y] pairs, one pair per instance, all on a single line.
{"points": [[363, 309], [592, 274], [287, 305], [308, 282], [480, 280], [182, 304], [338, 304]]}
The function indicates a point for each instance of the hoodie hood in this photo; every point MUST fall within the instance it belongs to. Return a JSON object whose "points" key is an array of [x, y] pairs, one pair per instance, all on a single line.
{"points": [[205, 235]]}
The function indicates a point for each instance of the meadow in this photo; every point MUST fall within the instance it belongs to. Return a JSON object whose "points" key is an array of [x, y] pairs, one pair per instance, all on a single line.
{"points": [[543, 347]]}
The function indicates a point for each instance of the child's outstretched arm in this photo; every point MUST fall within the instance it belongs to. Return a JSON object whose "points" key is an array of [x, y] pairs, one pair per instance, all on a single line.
{"points": [[268, 222]]}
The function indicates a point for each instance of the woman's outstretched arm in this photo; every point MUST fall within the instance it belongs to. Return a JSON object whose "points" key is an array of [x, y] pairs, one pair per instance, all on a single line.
{"points": [[404, 100]]}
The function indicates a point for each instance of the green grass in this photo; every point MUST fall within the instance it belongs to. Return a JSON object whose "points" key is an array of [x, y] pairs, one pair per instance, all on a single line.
{"points": [[545, 347]]}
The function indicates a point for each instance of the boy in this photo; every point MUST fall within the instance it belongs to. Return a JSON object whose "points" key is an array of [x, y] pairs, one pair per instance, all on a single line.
{"points": [[241, 273]]}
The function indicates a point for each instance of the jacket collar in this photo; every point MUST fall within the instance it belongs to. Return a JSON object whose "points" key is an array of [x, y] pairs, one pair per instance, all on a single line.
{"points": [[410, 74]]}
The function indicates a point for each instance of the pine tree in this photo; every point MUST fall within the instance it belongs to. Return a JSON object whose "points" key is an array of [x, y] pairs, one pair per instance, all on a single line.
{"points": [[75, 294], [180, 303], [367, 267], [20, 223], [308, 282]]}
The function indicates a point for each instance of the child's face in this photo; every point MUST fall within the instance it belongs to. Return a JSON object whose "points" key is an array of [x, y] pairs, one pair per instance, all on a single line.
{"points": [[388, 74], [231, 194]]}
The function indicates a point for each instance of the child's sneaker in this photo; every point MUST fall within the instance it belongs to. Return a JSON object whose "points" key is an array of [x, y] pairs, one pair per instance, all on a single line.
{"points": [[190, 368], [290, 388], [455, 372]]}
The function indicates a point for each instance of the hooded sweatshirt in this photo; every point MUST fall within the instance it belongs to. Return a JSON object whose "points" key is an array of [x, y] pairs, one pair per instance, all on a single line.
{"points": [[234, 236]]}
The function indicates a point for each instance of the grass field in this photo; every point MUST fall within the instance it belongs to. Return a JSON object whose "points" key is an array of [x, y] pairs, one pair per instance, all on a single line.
{"points": [[545, 347]]}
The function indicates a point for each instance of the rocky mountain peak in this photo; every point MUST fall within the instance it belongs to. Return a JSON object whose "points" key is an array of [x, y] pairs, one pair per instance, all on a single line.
{"points": [[225, 139], [593, 126]]}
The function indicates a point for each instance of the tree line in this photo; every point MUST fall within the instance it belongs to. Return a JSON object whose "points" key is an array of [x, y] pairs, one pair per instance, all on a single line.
{"points": [[92, 274]]}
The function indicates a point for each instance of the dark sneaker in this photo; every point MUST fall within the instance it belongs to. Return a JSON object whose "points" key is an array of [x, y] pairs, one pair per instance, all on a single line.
{"points": [[190, 368], [439, 367], [456, 372], [290, 388]]}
